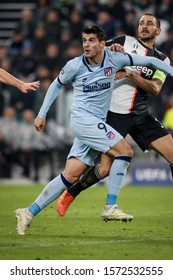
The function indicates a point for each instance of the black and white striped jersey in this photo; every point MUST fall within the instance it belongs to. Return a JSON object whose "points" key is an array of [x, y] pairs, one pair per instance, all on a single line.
{"points": [[126, 96]]}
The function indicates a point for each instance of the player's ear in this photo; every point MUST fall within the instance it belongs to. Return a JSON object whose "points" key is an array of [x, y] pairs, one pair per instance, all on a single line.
{"points": [[158, 30], [103, 43]]}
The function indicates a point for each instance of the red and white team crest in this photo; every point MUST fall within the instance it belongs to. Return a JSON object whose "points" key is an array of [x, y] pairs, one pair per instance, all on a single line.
{"points": [[110, 135], [108, 71]]}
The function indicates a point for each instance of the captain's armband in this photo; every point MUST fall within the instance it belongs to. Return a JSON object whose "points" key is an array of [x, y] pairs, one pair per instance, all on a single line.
{"points": [[159, 75]]}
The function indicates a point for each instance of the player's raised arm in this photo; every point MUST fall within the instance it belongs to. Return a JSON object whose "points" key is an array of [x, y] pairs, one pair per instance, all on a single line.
{"points": [[138, 60]]}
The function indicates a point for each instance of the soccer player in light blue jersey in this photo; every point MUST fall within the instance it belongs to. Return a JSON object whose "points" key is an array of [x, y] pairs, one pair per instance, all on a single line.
{"points": [[92, 75]]}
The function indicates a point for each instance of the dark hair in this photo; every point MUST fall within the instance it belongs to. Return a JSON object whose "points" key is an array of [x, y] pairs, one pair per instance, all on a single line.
{"points": [[93, 29], [157, 19]]}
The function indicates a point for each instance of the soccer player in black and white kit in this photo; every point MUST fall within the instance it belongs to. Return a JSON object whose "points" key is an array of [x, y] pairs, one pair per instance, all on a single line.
{"points": [[129, 114]]}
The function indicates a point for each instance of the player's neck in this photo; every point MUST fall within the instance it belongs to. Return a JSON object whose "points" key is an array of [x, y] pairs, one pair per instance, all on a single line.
{"points": [[96, 59], [148, 43]]}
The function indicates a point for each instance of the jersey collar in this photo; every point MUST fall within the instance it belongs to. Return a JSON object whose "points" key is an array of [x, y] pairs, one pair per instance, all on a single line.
{"points": [[153, 48], [87, 65]]}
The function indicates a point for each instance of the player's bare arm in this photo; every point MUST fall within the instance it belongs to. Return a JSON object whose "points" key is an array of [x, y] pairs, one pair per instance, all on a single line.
{"points": [[152, 86], [9, 79]]}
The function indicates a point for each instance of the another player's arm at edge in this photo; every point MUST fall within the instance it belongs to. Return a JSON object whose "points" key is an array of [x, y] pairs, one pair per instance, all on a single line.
{"points": [[9, 79]]}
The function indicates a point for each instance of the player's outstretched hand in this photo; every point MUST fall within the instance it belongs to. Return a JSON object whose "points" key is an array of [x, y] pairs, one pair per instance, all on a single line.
{"points": [[116, 47], [39, 123], [25, 87], [124, 73]]}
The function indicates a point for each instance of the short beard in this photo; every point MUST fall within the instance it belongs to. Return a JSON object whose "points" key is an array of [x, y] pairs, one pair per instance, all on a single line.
{"points": [[148, 39]]}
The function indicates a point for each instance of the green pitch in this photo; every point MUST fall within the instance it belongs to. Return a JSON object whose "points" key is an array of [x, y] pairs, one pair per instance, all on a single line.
{"points": [[82, 235]]}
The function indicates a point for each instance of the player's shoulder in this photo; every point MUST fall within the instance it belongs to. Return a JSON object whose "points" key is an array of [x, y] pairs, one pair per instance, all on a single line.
{"points": [[116, 40], [115, 56], [162, 56], [110, 54], [130, 39], [75, 61]]}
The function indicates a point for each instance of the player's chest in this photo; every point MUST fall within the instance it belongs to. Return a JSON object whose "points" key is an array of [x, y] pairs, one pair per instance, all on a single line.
{"points": [[99, 74], [136, 48]]}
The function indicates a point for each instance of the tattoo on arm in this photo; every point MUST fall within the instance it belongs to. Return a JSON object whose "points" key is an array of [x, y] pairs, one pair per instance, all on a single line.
{"points": [[158, 82]]}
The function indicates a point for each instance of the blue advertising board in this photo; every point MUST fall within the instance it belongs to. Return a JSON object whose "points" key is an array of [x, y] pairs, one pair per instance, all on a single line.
{"points": [[150, 173]]}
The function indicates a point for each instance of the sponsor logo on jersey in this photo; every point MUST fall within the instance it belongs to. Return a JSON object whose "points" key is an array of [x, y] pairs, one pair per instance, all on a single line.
{"points": [[96, 87], [110, 135], [108, 71], [145, 70]]}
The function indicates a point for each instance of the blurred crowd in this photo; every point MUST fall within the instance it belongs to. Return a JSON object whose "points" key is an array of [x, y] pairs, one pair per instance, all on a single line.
{"points": [[21, 145], [44, 39]]}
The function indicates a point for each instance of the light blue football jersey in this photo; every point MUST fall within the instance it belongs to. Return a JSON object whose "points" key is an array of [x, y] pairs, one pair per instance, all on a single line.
{"points": [[93, 84]]}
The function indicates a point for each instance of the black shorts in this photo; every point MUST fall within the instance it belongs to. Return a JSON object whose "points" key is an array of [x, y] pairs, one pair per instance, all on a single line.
{"points": [[143, 129]]}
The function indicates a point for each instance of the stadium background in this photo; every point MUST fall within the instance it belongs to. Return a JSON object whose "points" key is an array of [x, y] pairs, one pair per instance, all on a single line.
{"points": [[36, 40]]}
